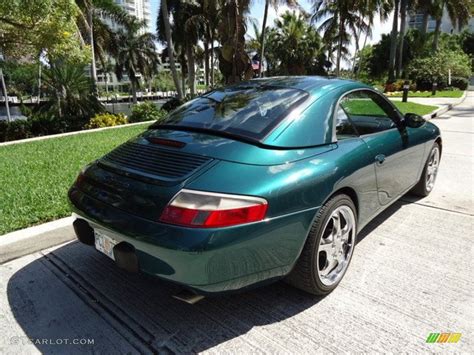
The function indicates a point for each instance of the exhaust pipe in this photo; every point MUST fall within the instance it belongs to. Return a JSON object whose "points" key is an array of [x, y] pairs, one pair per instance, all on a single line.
{"points": [[188, 296]]}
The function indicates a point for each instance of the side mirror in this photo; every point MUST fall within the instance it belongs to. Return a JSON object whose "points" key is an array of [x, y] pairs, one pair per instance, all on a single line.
{"points": [[413, 120]]}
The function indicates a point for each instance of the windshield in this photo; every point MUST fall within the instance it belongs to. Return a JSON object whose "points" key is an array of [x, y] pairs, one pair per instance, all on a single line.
{"points": [[246, 111]]}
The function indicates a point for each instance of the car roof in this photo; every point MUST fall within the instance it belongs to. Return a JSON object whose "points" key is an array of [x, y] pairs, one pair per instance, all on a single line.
{"points": [[313, 124], [315, 85]]}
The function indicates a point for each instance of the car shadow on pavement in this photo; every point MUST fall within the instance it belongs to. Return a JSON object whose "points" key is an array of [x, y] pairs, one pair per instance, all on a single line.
{"points": [[74, 292]]}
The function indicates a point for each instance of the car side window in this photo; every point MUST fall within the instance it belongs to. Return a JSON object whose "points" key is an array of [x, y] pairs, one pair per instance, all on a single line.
{"points": [[344, 127], [368, 112]]}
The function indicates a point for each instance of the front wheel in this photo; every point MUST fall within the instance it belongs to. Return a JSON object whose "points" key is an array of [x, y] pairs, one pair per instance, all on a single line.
{"points": [[328, 248], [430, 171]]}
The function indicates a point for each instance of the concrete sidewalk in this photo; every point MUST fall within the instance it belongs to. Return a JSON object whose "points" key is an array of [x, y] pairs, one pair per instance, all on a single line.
{"points": [[411, 275]]}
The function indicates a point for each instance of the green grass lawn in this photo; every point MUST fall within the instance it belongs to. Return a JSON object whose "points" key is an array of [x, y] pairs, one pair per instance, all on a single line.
{"points": [[412, 107], [441, 93], [35, 176], [370, 108]]}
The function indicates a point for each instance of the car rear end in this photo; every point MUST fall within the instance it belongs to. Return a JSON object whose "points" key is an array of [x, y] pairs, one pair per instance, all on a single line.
{"points": [[205, 206]]}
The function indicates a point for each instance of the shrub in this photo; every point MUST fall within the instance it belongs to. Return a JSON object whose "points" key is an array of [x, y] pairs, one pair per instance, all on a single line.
{"points": [[460, 83], [435, 68], [398, 86], [43, 124], [106, 120], [146, 111], [18, 129]]}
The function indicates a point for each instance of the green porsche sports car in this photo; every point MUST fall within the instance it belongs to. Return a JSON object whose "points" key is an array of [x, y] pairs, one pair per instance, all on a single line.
{"points": [[267, 179]]}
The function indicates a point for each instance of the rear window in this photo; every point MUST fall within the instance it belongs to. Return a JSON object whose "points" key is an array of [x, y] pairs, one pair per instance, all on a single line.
{"points": [[249, 112]]}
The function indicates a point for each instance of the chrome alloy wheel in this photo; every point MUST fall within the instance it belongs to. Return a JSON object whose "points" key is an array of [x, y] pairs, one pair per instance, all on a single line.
{"points": [[432, 169], [336, 245]]}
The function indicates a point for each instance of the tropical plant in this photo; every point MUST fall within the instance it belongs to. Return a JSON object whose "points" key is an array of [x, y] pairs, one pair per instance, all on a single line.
{"points": [[261, 37], [146, 111], [339, 20], [293, 45], [93, 27], [70, 95], [163, 26], [458, 12], [234, 63], [369, 9], [135, 55]]}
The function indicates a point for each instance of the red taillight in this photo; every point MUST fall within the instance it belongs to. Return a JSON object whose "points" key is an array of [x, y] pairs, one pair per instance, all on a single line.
{"points": [[211, 210]]}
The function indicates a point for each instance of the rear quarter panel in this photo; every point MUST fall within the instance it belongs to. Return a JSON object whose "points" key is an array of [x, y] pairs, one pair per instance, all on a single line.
{"points": [[295, 189]]}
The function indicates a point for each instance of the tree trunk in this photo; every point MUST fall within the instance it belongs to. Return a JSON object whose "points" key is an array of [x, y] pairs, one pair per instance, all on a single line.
{"points": [[393, 43], [356, 52], [234, 78], [262, 38], [5, 95], [39, 81], [359, 68], [436, 34], [206, 63], [403, 21], [166, 22], [183, 80], [91, 43], [191, 69], [212, 61], [424, 26], [339, 47], [134, 91]]}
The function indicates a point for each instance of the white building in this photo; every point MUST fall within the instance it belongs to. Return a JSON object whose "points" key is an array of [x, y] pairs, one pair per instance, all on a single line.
{"points": [[415, 20], [138, 8]]}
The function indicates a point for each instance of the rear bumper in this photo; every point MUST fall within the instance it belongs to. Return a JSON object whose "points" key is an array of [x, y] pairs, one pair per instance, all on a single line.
{"points": [[208, 260]]}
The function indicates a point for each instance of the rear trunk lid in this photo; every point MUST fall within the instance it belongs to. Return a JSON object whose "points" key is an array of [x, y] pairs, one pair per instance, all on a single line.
{"points": [[142, 175]]}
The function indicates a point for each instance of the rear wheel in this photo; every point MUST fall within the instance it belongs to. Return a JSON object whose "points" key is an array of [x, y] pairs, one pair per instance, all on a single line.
{"points": [[328, 248], [430, 171]]}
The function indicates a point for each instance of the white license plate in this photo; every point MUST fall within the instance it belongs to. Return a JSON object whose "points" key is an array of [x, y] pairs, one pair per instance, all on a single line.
{"points": [[104, 244]]}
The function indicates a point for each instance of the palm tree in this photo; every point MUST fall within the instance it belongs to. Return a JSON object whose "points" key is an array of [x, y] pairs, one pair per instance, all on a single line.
{"points": [[370, 8], [70, 93], [294, 43], [234, 62], [163, 22], [424, 6], [91, 26], [341, 19], [136, 55], [458, 12], [403, 20], [274, 4], [393, 42]]}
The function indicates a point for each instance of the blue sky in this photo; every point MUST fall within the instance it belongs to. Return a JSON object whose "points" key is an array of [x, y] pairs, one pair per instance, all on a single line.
{"points": [[256, 12]]}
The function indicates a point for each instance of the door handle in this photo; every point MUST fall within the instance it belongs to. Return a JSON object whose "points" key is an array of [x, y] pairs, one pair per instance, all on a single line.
{"points": [[380, 159]]}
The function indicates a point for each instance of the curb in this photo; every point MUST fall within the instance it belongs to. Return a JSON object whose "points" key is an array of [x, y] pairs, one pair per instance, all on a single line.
{"points": [[442, 110], [30, 240], [73, 133]]}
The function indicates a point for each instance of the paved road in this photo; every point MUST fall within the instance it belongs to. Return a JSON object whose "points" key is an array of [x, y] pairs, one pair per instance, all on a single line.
{"points": [[411, 275]]}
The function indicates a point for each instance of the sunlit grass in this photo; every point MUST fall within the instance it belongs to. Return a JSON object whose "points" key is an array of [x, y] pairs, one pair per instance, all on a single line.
{"points": [[427, 94], [35, 176]]}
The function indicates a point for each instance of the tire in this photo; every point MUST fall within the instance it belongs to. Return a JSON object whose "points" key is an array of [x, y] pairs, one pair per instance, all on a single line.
{"points": [[430, 170], [315, 261]]}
